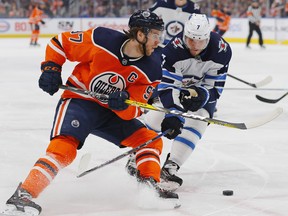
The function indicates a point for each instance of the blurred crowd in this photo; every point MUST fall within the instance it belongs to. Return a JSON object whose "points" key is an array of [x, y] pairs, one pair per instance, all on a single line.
{"points": [[238, 8], [124, 8]]}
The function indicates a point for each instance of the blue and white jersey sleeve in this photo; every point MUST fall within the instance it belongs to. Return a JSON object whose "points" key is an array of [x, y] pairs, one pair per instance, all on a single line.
{"points": [[170, 88], [174, 64], [181, 70], [215, 59]]}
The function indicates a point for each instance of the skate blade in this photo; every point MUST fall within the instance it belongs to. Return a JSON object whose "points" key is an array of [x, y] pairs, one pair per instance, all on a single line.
{"points": [[149, 199], [11, 210], [169, 185]]}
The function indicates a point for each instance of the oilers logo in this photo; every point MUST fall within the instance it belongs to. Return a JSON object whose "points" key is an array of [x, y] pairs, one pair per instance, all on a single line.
{"points": [[173, 28], [106, 83]]}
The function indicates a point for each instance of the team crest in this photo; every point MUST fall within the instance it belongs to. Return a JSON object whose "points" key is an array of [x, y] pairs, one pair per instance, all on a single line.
{"points": [[146, 13], [177, 42], [222, 46], [107, 83], [173, 28], [75, 123]]}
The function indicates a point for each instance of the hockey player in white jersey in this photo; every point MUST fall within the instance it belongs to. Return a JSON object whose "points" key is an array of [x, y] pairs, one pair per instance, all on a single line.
{"points": [[174, 14], [195, 65]]}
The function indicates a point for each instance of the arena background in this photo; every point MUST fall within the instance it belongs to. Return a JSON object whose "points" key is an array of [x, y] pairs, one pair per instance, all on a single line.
{"points": [[68, 15]]}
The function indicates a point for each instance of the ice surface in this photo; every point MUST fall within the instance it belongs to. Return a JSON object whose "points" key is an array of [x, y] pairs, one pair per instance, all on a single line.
{"points": [[252, 163]]}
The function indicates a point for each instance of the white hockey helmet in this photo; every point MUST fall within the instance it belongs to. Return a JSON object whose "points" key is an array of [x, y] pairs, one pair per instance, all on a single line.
{"points": [[197, 27]]}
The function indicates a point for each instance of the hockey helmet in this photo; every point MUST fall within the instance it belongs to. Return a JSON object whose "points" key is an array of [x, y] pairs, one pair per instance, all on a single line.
{"points": [[146, 19], [197, 27]]}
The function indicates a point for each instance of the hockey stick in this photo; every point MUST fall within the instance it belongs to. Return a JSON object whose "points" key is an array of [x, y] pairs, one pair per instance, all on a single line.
{"points": [[263, 82], [84, 162], [243, 126], [122, 155], [266, 100]]}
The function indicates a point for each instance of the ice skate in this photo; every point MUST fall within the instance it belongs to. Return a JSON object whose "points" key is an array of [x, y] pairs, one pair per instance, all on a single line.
{"points": [[152, 195], [34, 44], [20, 204], [169, 180], [131, 167]]}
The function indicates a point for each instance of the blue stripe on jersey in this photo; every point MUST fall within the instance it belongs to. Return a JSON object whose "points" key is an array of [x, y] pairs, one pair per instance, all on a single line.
{"points": [[150, 128], [185, 141], [163, 86], [217, 77], [167, 80], [219, 82], [219, 90], [197, 133], [182, 119], [172, 76], [219, 86]]}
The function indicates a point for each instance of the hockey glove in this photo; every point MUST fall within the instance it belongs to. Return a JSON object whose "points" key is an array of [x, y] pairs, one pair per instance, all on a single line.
{"points": [[50, 78], [172, 122], [42, 22], [194, 98], [116, 100]]}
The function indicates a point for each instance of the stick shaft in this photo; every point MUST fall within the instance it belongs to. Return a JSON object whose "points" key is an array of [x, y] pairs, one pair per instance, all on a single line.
{"points": [[243, 81], [241, 125], [124, 154], [254, 85]]}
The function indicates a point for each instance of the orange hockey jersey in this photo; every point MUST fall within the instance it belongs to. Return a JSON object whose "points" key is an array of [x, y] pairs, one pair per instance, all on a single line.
{"points": [[222, 19], [103, 68], [36, 16]]}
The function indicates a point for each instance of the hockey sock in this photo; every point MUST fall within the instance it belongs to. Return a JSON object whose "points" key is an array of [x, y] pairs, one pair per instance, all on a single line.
{"points": [[60, 153]]}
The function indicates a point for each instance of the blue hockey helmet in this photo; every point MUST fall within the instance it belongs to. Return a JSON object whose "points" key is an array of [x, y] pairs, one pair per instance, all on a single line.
{"points": [[146, 19]]}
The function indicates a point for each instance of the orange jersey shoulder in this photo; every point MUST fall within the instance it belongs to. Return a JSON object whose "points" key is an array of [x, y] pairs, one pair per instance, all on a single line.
{"points": [[101, 67], [222, 19]]}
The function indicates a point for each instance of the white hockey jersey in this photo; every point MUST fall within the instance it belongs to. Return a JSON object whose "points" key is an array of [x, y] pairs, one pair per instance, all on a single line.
{"points": [[174, 17], [181, 70]]}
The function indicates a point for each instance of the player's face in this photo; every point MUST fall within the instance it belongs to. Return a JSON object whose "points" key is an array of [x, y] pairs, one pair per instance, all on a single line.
{"points": [[154, 38], [180, 3], [195, 46]]}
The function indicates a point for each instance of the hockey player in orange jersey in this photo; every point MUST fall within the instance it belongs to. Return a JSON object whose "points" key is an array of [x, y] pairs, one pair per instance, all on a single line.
{"points": [[120, 65], [34, 20], [223, 18]]}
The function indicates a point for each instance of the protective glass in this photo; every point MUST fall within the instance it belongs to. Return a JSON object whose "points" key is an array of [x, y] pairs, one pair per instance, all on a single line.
{"points": [[156, 36]]}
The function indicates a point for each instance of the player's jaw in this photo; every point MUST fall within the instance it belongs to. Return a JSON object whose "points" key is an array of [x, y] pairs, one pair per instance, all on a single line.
{"points": [[150, 49]]}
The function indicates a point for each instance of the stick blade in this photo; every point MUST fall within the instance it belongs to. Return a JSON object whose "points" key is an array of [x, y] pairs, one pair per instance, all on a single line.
{"points": [[264, 82], [266, 100], [265, 119], [84, 162]]}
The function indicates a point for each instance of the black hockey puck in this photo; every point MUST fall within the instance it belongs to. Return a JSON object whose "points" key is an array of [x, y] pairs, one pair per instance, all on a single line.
{"points": [[228, 192]]}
